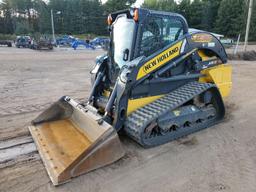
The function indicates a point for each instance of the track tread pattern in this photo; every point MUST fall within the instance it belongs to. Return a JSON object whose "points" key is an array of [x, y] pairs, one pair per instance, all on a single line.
{"points": [[137, 121]]}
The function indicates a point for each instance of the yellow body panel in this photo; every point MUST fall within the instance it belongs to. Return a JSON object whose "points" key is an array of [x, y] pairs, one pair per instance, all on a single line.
{"points": [[202, 54], [159, 60], [134, 104], [204, 57], [221, 75]]}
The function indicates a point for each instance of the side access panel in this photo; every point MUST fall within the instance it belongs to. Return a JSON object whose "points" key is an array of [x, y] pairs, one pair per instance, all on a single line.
{"points": [[220, 75]]}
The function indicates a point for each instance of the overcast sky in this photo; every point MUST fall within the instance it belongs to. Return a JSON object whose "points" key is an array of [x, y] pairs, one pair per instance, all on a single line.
{"points": [[137, 4]]}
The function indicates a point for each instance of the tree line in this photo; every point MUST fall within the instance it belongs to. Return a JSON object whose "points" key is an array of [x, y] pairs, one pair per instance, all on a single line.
{"points": [[227, 17], [70, 16]]}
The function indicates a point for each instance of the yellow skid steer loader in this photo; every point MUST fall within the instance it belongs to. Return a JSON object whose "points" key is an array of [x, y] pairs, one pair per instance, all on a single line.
{"points": [[157, 83]]}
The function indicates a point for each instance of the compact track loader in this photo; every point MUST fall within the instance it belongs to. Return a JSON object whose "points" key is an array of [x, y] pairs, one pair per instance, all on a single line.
{"points": [[157, 83]]}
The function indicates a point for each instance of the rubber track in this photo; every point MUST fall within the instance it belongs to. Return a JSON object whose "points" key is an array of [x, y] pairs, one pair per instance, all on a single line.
{"points": [[137, 122]]}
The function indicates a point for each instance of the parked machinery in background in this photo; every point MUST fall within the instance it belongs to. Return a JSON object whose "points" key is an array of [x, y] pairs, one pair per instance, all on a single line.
{"points": [[86, 44], [23, 41], [8, 43], [65, 40], [43, 43], [100, 41]]}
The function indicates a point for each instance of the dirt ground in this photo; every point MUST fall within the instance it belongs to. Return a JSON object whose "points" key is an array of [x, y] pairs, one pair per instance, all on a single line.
{"points": [[221, 158]]}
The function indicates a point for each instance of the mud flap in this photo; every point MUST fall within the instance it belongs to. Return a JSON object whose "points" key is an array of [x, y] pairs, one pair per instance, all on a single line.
{"points": [[73, 140]]}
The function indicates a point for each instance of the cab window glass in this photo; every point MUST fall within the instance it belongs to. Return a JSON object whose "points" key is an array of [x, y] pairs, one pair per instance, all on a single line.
{"points": [[159, 32]]}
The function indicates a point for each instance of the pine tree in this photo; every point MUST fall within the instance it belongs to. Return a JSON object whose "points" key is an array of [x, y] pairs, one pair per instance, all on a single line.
{"points": [[194, 14], [115, 5], [163, 5], [231, 18], [209, 15], [7, 17]]}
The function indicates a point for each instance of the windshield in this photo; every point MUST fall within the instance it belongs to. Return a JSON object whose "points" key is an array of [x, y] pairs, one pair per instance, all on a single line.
{"points": [[123, 30]]}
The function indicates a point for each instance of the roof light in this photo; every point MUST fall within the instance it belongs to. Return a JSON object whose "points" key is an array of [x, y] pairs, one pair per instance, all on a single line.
{"points": [[109, 19], [136, 15]]}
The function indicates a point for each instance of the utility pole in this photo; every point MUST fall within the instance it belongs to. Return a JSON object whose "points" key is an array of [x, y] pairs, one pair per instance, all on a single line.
{"points": [[53, 33], [248, 24], [237, 43]]}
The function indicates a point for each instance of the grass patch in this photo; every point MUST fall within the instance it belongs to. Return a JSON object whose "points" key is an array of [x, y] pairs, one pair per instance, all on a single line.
{"points": [[7, 37]]}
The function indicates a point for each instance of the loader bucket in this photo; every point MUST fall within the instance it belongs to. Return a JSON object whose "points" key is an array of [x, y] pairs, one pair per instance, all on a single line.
{"points": [[73, 140]]}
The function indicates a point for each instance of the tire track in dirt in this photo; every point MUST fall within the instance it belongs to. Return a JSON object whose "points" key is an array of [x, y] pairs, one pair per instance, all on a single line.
{"points": [[15, 142], [17, 150]]}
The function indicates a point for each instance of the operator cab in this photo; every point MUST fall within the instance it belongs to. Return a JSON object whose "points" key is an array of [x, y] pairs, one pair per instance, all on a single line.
{"points": [[142, 32]]}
